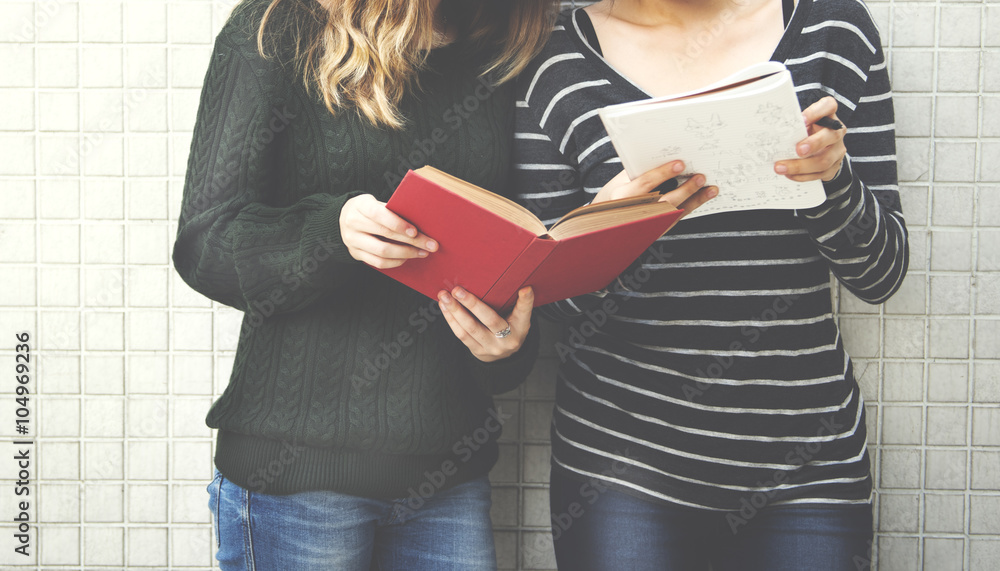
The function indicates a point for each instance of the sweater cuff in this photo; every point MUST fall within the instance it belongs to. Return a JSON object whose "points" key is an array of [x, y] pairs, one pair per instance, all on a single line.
{"points": [[322, 233]]}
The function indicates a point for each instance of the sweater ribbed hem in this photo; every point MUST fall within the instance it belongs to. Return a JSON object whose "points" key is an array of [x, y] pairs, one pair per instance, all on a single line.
{"points": [[277, 467]]}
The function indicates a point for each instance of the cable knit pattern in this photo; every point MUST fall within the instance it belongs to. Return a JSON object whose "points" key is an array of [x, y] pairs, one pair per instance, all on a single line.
{"points": [[357, 370]]}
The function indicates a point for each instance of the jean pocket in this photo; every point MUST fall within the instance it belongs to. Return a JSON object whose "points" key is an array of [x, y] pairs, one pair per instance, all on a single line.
{"points": [[214, 495]]}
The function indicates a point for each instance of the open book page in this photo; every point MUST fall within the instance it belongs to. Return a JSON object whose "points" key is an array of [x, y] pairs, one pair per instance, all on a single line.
{"points": [[606, 214], [586, 218], [499, 205], [732, 136]]}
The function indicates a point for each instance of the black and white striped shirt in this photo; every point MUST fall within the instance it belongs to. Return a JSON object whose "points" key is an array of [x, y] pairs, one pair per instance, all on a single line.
{"points": [[716, 375]]}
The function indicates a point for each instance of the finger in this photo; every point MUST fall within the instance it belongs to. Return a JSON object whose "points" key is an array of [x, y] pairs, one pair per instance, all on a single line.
{"points": [[697, 199], [520, 317], [450, 309], [686, 190], [622, 187], [376, 211], [489, 321], [374, 261], [814, 165], [820, 124], [823, 107], [386, 252], [383, 222], [826, 175], [823, 138], [801, 172], [649, 180]]}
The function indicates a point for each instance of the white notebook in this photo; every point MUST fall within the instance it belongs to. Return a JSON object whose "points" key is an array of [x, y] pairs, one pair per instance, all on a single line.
{"points": [[732, 131]]}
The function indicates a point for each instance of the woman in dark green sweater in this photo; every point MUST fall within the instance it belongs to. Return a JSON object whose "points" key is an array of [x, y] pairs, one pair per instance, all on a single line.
{"points": [[357, 429]]}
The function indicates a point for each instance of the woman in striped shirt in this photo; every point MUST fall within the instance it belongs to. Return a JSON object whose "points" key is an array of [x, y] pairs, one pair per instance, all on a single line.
{"points": [[706, 410]]}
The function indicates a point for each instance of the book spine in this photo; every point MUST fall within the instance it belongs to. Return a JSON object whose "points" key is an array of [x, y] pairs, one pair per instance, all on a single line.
{"points": [[503, 294]]}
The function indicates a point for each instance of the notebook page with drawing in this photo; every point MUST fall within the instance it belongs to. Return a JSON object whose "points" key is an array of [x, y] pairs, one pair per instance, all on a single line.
{"points": [[732, 131]]}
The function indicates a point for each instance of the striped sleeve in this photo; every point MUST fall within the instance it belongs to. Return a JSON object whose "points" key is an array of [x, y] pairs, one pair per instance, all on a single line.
{"points": [[860, 229]]}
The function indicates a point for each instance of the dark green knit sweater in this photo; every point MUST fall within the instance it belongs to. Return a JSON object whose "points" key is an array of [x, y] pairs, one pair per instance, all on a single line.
{"points": [[343, 379]]}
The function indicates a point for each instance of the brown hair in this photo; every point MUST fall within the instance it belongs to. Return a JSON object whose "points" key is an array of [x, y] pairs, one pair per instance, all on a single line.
{"points": [[366, 53]]}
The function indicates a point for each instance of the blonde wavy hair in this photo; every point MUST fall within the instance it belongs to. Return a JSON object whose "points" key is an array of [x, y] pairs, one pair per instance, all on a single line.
{"points": [[365, 54]]}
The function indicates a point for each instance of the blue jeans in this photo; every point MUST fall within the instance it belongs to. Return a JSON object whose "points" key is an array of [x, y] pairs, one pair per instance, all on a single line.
{"points": [[323, 530], [595, 528]]}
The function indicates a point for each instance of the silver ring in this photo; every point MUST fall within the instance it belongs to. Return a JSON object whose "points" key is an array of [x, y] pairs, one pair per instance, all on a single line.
{"points": [[504, 333]]}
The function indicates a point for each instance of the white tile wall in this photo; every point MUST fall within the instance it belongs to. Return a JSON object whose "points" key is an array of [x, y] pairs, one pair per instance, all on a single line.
{"points": [[100, 97]]}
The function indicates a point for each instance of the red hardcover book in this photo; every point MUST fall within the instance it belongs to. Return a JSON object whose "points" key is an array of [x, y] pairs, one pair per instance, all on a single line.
{"points": [[493, 247]]}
